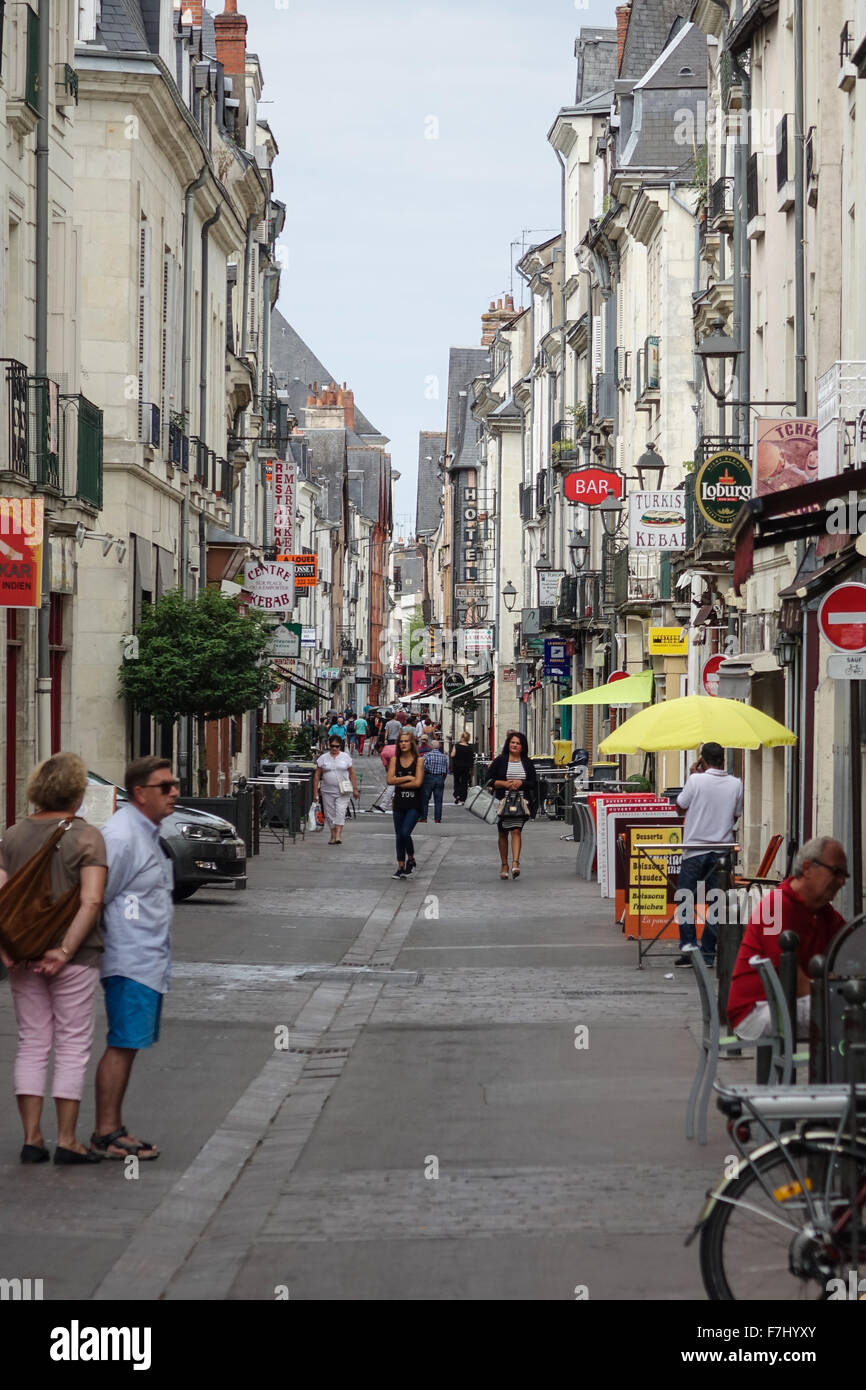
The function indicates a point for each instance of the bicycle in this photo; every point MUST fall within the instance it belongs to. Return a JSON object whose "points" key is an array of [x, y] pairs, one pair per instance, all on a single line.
{"points": [[554, 803]]}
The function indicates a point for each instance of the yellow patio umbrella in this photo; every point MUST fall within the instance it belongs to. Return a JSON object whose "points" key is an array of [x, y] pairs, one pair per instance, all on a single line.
{"points": [[695, 719], [631, 690]]}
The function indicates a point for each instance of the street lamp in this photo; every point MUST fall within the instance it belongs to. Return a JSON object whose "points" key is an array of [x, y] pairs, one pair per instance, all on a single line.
{"points": [[611, 510], [578, 549], [717, 346], [650, 467], [509, 596], [784, 649]]}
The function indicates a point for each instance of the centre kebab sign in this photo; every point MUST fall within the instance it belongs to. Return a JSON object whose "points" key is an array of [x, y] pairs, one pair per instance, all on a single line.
{"points": [[271, 586]]}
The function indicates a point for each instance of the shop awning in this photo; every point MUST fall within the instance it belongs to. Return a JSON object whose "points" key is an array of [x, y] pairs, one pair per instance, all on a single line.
{"points": [[736, 672], [473, 688], [795, 513], [632, 690], [286, 674], [419, 695]]}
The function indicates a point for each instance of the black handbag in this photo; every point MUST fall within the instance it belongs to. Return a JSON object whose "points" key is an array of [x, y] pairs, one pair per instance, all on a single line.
{"points": [[513, 804]]}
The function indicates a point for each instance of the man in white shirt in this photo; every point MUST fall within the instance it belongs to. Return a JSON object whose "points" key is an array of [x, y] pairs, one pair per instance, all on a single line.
{"points": [[713, 803]]}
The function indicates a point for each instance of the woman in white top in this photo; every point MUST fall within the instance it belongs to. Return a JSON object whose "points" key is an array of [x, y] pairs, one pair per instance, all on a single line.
{"points": [[513, 771], [333, 770]]}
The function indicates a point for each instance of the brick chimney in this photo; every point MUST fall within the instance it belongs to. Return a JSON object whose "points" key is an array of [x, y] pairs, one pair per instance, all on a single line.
{"points": [[623, 14], [231, 40], [496, 315], [348, 407]]}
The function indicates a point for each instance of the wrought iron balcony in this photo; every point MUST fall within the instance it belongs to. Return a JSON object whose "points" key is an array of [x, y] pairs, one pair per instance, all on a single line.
{"points": [[82, 450], [14, 415], [564, 444], [149, 424], [721, 205]]}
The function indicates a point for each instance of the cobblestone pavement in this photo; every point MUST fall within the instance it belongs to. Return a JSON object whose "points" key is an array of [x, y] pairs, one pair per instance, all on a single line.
{"points": [[369, 1089]]}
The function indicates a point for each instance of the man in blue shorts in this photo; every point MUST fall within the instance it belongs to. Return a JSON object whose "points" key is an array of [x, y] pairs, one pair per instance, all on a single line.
{"points": [[136, 963]]}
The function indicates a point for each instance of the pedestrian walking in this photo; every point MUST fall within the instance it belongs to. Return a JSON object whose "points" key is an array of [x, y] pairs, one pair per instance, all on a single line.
{"points": [[405, 775], [54, 993], [377, 735], [435, 772], [393, 727], [136, 965], [462, 763], [351, 736], [713, 803], [360, 733], [385, 800], [322, 733], [513, 780], [334, 782], [338, 730]]}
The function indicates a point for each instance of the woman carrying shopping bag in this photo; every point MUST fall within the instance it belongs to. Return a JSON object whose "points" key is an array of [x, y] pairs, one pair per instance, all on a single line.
{"points": [[56, 902], [335, 776], [512, 779]]}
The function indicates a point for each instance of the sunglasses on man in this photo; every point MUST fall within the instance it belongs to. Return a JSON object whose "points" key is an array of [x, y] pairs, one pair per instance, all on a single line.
{"points": [[166, 787]]}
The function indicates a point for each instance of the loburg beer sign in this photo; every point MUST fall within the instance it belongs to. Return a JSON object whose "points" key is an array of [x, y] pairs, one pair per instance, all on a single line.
{"points": [[723, 483]]}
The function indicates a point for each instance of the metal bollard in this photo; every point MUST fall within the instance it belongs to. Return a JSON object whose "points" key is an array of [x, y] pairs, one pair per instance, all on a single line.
{"points": [[818, 1021]]}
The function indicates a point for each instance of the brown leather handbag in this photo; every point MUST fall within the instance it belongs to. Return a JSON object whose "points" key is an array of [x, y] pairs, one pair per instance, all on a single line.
{"points": [[30, 922]]}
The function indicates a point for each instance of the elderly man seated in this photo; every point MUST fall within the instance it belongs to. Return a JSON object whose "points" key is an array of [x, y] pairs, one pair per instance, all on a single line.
{"points": [[801, 904]]}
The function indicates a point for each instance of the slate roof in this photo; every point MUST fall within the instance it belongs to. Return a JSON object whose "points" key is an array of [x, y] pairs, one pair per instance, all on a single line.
{"points": [[464, 365], [208, 35], [428, 509], [367, 493], [327, 452], [296, 367], [595, 51], [651, 116], [649, 29], [121, 26]]}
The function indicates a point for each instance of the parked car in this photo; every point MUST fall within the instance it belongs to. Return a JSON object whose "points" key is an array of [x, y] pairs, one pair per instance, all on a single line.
{"points": [[202, 848]]}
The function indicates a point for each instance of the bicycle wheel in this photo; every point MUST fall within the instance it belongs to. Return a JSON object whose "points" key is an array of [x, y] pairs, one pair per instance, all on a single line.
{"points": [[759, 1244]]}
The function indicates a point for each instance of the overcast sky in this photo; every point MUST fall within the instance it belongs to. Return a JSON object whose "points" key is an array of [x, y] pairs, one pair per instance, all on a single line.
{"points": [[395, 242]]}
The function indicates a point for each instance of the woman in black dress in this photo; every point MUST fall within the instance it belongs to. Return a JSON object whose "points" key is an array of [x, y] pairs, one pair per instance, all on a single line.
{"points": [[462, 763], [513, 771]]}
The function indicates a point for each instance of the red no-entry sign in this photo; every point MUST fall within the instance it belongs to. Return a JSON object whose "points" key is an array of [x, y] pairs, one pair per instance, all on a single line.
{"points": [[842, 617]]}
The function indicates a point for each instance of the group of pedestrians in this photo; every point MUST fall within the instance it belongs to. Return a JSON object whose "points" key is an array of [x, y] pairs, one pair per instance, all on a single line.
{"points": [[79, 905]]}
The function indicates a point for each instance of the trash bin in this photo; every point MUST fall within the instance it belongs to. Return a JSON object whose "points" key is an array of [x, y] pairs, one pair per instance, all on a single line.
{"points": [[561, 752]]}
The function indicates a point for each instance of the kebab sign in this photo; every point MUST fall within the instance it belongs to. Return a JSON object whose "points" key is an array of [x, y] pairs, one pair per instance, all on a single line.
{"points": [[657, 521]]}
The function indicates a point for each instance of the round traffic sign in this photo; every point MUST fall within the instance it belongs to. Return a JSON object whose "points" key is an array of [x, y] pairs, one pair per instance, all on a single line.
{"points": [[842, 617], [710, 677], [617, 676]]}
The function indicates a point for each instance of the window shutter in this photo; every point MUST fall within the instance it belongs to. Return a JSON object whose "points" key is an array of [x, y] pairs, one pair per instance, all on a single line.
{"points": [[597, 344], [143, 325]]}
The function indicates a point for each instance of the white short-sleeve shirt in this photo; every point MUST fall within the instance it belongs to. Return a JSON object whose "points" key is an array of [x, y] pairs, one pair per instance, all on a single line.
{"points": [[334, 769]]}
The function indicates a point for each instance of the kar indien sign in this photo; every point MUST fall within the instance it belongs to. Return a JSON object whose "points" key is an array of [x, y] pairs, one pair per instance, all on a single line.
{"points": [[657, 521]]}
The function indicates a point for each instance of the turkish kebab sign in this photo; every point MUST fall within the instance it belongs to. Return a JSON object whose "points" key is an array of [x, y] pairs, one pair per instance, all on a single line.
{"points": [[657, 521]]}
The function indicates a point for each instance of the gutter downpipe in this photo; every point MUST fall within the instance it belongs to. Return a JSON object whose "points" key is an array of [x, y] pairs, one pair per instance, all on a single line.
{"points": [[555, 511], [43, 668], [522, 709], [202, 387], [696, 368], [184, 735], [804, 716]]}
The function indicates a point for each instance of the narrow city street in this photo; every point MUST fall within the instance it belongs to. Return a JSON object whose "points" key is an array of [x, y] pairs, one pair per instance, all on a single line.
{"points": [[369, 1089]]}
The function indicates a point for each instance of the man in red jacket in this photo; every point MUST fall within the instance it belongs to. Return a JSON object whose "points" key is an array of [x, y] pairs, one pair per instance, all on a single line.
{"points": [[800, 904]]}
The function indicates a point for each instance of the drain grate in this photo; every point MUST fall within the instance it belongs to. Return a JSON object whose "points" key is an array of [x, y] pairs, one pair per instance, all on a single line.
{"points": [[362, 972], [321, 1051]]}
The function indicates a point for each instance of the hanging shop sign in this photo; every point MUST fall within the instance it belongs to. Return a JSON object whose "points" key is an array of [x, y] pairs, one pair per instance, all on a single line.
{"points": [[21, 523], [548, 587], [557, 664], [271, 586], [657, 521], [308, 637], [285, 640], [723, 483], [469, 561], [285, 484], [786, 454], [306, 569], [591, 485], [668, 641]]}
